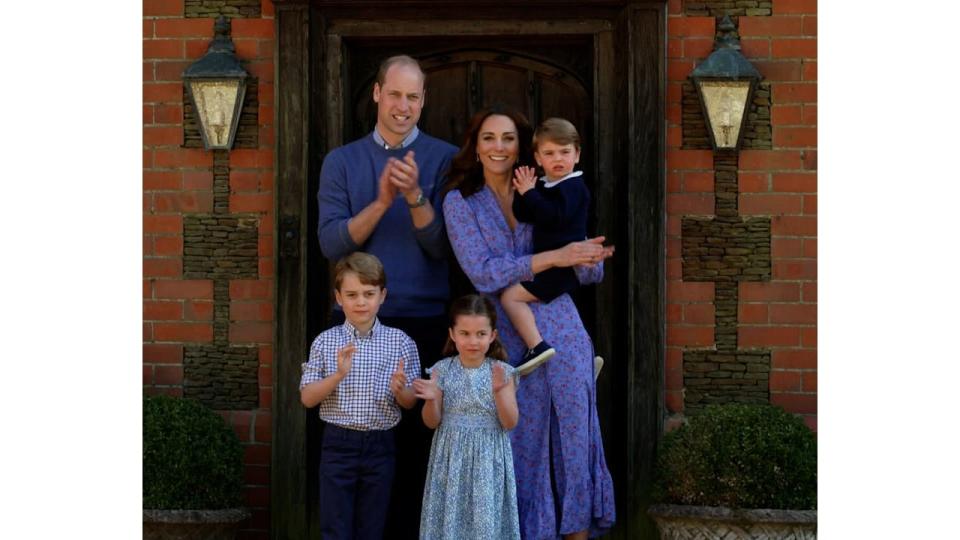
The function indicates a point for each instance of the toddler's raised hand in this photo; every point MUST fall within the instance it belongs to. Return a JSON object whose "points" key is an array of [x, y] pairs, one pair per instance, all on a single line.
{"points": [[345, 358], [525, 179], [398, 380]]}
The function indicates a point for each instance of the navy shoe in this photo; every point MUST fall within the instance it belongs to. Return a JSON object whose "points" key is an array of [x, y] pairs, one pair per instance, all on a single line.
{"points": [[534, 357]]}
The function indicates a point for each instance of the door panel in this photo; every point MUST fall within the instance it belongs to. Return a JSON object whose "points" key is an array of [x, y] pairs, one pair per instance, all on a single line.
{"points": [[447, 107], [504, 84]]}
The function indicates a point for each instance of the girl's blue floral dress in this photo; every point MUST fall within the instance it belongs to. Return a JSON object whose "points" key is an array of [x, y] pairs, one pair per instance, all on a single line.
{"points": [[471, 490]]}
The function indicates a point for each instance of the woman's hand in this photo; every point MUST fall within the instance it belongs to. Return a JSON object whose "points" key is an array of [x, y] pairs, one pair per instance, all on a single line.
{"points": [[586, 252], [607, 253]]}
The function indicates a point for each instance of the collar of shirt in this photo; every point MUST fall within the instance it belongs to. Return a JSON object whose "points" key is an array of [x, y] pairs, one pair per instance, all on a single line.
{"points": [[403, 144], [547, 183], [354, 334]]}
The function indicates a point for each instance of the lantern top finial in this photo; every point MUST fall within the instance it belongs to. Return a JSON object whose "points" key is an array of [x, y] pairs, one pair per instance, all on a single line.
{"points": [[221, 36], [728, 31], [219, 61], [726, 61]]}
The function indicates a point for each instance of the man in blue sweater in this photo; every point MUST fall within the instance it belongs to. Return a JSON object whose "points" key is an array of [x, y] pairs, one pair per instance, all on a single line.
{"points": [[380, 194]]}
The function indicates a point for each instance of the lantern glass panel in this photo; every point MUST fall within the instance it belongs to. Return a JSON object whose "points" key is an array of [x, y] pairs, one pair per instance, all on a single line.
{"points": [[725, 102], [216, 103]]}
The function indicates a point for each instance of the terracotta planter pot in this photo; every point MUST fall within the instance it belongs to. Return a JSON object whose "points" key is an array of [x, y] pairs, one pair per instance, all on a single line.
{"points": [[193, 524], [680, 522]]}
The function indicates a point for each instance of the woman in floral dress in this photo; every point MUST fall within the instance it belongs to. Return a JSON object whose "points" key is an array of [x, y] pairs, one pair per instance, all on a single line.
{"points": [[564, 488]]}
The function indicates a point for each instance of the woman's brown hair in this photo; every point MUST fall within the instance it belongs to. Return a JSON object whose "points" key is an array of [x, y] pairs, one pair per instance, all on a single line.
{"points": [[466, 173], [474, 304]]}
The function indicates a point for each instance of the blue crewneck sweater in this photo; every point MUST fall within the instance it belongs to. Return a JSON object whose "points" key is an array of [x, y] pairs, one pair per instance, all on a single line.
{"points": [[414, 260]]}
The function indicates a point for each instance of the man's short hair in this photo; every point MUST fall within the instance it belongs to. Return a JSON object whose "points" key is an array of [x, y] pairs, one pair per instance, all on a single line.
{"points": [[557, 131], [398, 60], [367, 267]]}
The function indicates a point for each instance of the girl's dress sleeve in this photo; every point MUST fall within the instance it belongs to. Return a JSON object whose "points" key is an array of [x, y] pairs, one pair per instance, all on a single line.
{"points": [[485, 258]]}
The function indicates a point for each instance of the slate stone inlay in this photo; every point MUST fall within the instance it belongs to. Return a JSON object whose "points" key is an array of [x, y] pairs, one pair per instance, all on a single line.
{"points": [[725, 249], [221, 246], [227, 8], [719, 8]]}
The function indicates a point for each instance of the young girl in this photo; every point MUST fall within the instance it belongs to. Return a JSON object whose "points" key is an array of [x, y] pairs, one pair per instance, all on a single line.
{"points": [[470, 490]]}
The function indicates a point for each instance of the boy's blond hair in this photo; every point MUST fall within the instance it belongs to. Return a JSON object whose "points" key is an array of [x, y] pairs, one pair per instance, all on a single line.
{"points": [[368, 268], [557, 131]]}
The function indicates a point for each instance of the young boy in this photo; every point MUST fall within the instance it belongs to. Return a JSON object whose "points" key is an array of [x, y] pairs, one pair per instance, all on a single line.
{"points": [[557, 207], [358, 372]]}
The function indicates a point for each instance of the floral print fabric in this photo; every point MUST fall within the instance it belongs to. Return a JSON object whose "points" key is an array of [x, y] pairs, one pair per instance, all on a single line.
{"points": [[558, 427], [470, 490]]}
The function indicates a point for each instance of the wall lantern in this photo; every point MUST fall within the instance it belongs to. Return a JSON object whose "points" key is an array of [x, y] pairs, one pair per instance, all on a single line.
{"points": [[725, 82], [216, 84]]}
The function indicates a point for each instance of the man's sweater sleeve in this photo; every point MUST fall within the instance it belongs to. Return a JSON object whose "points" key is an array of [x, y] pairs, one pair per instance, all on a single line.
{"points": [[334, 208]]}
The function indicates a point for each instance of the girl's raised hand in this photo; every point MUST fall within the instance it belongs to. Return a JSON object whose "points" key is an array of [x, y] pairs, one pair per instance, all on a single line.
{"points": [[499, 378], [345, 358], [524, 179], [427, 389]]}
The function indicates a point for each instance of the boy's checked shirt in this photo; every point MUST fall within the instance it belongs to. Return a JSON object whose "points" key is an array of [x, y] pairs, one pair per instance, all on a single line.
{"points": [[363, 400]]}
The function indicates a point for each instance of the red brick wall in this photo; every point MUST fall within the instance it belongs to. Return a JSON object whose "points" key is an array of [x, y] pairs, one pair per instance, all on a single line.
{"points": [[179, 181], [781, 183]]}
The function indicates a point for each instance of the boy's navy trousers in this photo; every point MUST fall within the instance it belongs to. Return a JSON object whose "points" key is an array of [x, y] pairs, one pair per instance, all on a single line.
{"points": [[356, 474]]}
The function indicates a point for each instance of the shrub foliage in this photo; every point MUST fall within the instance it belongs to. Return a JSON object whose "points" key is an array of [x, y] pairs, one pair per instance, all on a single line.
{"points": [[192, 459], [739, 456]]}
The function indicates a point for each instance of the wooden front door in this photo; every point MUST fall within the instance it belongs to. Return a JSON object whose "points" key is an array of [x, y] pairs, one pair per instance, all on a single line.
{"points": [[600, 66], [467, 75]]}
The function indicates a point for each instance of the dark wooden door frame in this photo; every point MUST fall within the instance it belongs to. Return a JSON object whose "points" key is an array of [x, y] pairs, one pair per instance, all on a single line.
{"points": [[629, 38]]}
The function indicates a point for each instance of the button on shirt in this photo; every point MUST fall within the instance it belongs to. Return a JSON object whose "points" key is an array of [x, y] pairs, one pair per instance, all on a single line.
{"points": [[363, 400]]}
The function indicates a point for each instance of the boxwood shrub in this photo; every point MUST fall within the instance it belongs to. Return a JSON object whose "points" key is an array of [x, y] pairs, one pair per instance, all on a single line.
{"points": [[739, 456], [192, 460]]}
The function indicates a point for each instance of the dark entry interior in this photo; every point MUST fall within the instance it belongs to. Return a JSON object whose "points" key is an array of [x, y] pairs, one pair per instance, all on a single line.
{"points": [[601, 68]]}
